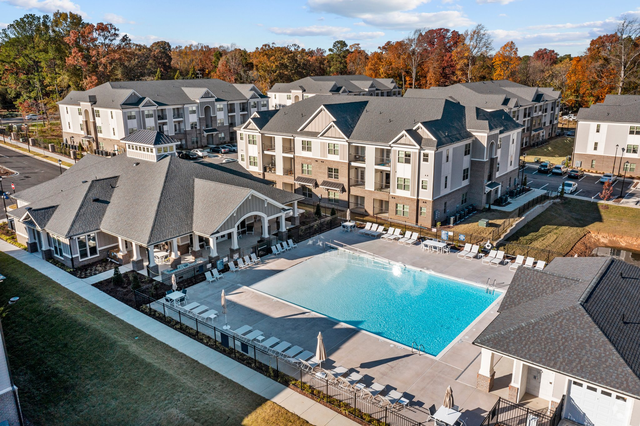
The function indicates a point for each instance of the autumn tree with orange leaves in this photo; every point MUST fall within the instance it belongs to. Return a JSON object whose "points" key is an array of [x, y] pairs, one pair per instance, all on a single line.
{"points": [[506, 62]]}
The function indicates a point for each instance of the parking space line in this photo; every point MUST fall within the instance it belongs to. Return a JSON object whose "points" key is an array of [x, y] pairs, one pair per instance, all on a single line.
{"points": [[579, 191], [565, 176], [598, 181], [581, 178], [534, 172], [545, 185]]}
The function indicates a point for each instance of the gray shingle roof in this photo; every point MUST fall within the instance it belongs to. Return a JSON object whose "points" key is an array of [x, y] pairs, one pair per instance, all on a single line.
{"points": [[578, 317], [214, 202], [151, 202], [162, 92], [149, 137], [380, 120], [333, 84], [615, 108]]}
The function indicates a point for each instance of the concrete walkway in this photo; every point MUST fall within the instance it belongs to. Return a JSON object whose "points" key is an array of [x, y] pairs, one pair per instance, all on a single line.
{"points": [[300, 405], [52, 157]]}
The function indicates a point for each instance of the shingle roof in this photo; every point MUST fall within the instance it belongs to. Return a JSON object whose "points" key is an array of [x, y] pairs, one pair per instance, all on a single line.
{"points": [[214, 202], [162, 92], [615, 108], [145, 202], [381, 120], [149, 137], [578, 317], [333, 84]]}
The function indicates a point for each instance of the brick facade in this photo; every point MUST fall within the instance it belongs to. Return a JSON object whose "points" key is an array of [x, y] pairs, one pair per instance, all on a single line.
{"points": [[484, 383], [605, 164]]}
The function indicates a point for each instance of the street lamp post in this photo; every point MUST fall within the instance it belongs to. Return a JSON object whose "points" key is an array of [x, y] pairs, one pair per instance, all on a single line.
{"points": [[626, 166], [60, 165], [621, 157], [524, 155], [4, 203], [613, 169]]}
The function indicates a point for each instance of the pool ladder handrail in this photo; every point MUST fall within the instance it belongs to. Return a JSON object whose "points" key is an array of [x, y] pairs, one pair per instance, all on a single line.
{"points": [[415, 346], [491, 288]]}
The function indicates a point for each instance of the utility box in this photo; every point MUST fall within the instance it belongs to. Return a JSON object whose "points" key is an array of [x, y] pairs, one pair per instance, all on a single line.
{"points": [[483, 223]]}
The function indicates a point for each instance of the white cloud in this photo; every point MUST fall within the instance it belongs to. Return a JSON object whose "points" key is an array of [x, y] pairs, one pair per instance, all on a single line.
{"points": [[355, 8], [447, 1], [494, 1], [503, 15], [362, 35], [360, 24], [3, 25], [413, 20], [314, 30], [116, 19], [47, 6]]}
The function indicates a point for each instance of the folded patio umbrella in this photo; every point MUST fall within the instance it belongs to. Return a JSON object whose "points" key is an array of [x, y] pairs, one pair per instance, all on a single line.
{"points": [[448, 398], [174, 282], [321, 353], [348, 215], [223, 302]]}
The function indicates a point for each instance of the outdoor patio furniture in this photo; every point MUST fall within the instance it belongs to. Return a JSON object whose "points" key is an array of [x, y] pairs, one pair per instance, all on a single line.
{"points": [[243, 330], [447, 416], [270, 342], [286, 246], [498, 259], [282, 249], [253, 335], [389, 233], [376, 233], [247, 261], [529, 262], [540, 265], [369, 393], [305, 355], [396, 235], [200, 309], [291, 243], [292, 352], [174, 297], [232, 267], [210, 278], [211, 314], [349, 381], [276, 251], [414, 238], [348, 226], [191, 306], [332, 375], [518, 262], [217, 275], [241, 264], [367, 228], [280, 347], [490, 257], [255, 258], [473, 253], [309, 365], [466, 250], [407, 237]]}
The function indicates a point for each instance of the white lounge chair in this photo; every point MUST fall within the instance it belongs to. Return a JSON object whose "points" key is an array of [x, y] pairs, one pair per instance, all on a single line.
{"points": [[270, 342], [414, 238], [396, 235], [291, 243], [499, 259], [349, 381], [241, 264], [276, 251], [473, 253], [540, 265], [407, 237], [232, 267], [282, 249], [529, 262], [389, 233], [370, 393], [247, 261], [210, 278], [376, 233], [309, 365], [217, 275], [490, 257], [255, 258], [285, 245], [367, 228], [518, 262], [466, 250], [242, 330]]}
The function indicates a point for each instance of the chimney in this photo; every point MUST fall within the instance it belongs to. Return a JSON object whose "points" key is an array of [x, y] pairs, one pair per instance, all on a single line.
{"points": [[92, 99]]}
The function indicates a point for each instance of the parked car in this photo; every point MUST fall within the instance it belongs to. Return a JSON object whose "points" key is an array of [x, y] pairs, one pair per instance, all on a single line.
{"points": [[187, 155], [608, 177], [31, 117], [231, 148], [229, 160], [199, 152], [571, 133], [575, 174], [545, 167], [569, 187], [559, 170], [219, 149]]}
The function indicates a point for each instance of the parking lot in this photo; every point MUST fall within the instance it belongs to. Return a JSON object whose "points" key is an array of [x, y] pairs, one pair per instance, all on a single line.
{"points": [[588, 186]]}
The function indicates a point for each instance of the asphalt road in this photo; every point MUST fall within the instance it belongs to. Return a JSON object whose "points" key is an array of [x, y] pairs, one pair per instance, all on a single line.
{"points": [[31, 171], [588, 186]]}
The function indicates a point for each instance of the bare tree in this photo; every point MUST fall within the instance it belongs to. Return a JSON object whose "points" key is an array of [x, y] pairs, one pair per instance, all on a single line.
{"points": [[416, 53], [624, 54], [479, 42]]}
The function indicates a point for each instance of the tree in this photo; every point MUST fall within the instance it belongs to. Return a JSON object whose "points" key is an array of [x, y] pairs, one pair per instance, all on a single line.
{"points": [[505, 62], [177, 76], [357, 60], [478, 43], [416, 54], [623, 51], [160, 58], [337, 58], [607, 191], [333, 211], [440, 67], [135, 281], [117, 279], [158, 75], [318, 212], [192, 73]]}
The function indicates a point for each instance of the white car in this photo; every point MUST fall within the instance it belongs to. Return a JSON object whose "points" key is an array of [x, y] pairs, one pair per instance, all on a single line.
{"points": [[31, 117], [608, 177], [200, 153], [229, 160], [569, 187]]}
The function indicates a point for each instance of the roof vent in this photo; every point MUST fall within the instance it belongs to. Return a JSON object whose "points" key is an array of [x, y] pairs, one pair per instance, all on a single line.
{"points": [[84, 181], [27, 208], [136, 164], [95, 200], [92, 99]]}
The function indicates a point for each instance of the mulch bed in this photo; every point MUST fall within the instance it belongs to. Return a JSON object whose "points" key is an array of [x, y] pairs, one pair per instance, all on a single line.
{"points": [[6, 172], [94, 268]]}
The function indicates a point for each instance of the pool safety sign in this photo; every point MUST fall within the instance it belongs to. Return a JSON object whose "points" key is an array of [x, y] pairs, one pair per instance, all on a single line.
{"points": [[462, 237], [445, 235]]}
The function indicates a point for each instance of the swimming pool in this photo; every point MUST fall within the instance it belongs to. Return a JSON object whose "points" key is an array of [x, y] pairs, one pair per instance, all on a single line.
{"points": [[405, 305]]}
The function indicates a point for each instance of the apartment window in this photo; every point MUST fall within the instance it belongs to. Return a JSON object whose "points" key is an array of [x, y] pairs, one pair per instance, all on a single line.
{"points": [[465, 174], [403, 184], [192, 110], [595, 146], [242, 158], [57, 246], [289, 97], [112, 115], [593, 164], [446, 181], [306, 146], [241, 136], [254, 104], [634, 130], [253, 161], [425, 157], [632, 149], [264, 104], [597, 128], [499, 144], [307, 169], [402, 210], [97, 113], [152, 128], [80, 112], [194, 125], [221, 136], [69, 125], [220, 108], [444, 209], [113, 131], [87, 246], [220, 121], [66, 109], [99, 129], [333, 173], [131, 115], [404, 157], [498, 167], [467, 149], [82, 127], [464, 198], [629, 167], [334, 197], [252, 139], [423, 211], [333, 149], [148, 114], [307, 192], [424, 184]]}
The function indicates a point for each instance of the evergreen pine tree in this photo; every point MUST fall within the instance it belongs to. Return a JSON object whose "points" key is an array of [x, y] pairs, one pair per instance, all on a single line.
{"points": [[318, 211], [333, 211], [135, 281], [117, 279]]}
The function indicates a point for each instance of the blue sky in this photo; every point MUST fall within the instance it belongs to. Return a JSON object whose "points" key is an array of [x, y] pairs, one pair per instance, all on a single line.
{"points": [[565, 26]]}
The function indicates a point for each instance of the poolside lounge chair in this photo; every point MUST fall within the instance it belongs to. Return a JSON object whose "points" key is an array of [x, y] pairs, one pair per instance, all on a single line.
{"points": [[490, 257], [305, 355], [291, 243], [241, 264], [540, 265], [499, 259], [414, 238], [217, 275], [285, 245], [518, 262], [270, 342], [367, 228], [255, 258], [396, 235], [211, 314], [529, 262], [292, 352], [370, 393], [389, 233], [210, 278], [282, 249], [376, 233], [407, 237], [332, 375], [276, 251], [253, 335], [232, 267], [473, 253], [392, 398], [279, 348], [242, 330], [309, 365], [349, 381], [247, 261], [466, 250]]}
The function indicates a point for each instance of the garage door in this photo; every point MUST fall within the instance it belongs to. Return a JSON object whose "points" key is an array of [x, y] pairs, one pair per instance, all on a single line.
{"points": [[589, 405]]}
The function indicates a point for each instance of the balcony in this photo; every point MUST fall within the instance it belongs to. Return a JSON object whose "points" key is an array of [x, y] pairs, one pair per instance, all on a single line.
{"points": [[357, 158], [382, 187], [288, 147], [356, 182], [162, 116], [243, 108], [270, 168], [232, 109], [269, 147], [287, 172], [178, 129], [383, 161]]}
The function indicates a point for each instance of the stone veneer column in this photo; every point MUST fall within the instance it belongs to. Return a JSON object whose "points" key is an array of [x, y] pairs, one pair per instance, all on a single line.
{"points": [[137, 263], [486, 373], [516, 381]]}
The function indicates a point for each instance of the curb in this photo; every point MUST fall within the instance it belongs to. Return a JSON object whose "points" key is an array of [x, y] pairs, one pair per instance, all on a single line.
{"points": [[10, 145]]}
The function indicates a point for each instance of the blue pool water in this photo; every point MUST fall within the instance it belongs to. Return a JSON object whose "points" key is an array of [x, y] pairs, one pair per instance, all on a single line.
{"points": [[400, 304]]}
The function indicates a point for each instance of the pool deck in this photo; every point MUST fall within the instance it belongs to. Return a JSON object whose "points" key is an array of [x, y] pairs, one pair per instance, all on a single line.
{"points": [[423, 378]]}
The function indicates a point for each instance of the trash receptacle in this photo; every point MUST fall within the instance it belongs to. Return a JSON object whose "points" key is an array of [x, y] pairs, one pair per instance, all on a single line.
{"points": [[452, 220], [219, 264], [483, 223]]}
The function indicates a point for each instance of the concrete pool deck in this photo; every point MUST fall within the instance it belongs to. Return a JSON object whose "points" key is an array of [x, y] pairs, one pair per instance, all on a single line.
{"points": [[422, 377]]}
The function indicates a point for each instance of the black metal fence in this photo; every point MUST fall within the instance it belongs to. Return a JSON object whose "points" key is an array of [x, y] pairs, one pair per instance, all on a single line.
{"points": [[305, 232], [507, 413], [513, 249]]}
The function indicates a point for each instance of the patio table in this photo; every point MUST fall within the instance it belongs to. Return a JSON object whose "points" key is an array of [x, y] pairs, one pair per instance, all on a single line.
{"points": [[191, 306], [174, 297], [160, 256], [447, 415], [348, 226], [434, 245]]}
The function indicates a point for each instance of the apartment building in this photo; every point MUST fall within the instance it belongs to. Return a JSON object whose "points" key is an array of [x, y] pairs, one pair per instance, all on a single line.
{"points": [[415, 160], [196, 113], [284, 94], [608, 136], [535, 108]]}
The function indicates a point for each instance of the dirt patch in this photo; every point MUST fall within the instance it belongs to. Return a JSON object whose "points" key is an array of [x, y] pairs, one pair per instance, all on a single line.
{"points": [[584, 247]]}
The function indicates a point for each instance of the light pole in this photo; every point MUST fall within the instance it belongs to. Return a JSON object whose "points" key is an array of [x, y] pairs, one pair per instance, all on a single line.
{"points": [[626, 166], [613, 169], [60, 165], [620, 163], [524, 155], [4, 203]]}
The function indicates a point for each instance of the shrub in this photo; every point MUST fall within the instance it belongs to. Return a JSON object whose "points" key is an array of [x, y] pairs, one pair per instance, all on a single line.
{"points": [[333, 211], [318, 212], [117, 279], [135, 281]]}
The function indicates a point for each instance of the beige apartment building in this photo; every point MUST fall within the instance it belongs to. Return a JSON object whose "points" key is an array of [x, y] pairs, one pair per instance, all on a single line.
{"points": [[416, 160]]}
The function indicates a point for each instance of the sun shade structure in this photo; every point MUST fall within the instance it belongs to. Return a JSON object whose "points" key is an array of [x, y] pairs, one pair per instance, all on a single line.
{"points": [[321, 353], [448, 398]]}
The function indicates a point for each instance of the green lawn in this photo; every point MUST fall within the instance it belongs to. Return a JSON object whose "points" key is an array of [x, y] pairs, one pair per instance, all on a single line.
{"points": [[563, 224], [555, 151], [75, 364]]}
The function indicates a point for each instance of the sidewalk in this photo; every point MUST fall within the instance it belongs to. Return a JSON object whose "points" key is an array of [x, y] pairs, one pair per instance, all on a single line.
{"points": [[52, 156], [300, 405]]}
